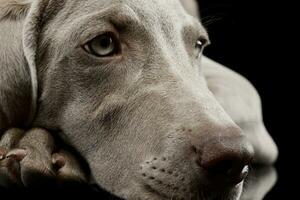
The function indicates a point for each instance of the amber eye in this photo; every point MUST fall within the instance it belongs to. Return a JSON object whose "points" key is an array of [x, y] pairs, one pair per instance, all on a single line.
{"points": [[103, 45]]}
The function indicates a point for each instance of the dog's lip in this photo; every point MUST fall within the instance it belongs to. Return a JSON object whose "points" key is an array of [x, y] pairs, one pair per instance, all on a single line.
{"points": [[224, 193], [222, 182], [227, 192], [151, 190]]}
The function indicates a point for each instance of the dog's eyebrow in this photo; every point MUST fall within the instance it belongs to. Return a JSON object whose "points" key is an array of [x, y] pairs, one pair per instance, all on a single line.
{"points": [[123, 15], [120, 15], [116, 16]]}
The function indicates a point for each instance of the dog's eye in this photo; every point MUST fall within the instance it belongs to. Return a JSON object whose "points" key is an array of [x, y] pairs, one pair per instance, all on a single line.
{"points": [[102, 46], [200, 44]]}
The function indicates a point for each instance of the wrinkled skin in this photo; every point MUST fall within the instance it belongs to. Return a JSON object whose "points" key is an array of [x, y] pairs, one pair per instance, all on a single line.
{"points": [[160, 104]]}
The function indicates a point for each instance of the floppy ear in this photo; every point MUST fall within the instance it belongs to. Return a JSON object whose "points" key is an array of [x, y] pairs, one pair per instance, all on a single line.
{"points": [[31, 31], [40, 12], [15, 85]]}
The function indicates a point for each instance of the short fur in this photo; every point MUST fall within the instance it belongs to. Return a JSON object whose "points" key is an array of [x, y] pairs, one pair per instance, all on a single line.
{"points": [[155, 99]]}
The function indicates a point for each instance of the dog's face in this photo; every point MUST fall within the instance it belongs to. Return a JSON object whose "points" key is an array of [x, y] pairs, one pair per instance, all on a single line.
{"points": [[121, 80]]}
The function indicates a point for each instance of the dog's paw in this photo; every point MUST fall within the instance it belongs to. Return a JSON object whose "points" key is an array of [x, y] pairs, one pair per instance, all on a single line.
{"points": [[67, 168], [9, 166], [31, 159]]}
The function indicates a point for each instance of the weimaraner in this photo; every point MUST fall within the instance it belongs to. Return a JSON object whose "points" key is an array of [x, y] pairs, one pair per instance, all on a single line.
{"points": [[124, 84]]}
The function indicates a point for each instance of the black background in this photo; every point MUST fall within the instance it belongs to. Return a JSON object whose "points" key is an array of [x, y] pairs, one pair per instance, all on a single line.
{"points": [[254, 38]]}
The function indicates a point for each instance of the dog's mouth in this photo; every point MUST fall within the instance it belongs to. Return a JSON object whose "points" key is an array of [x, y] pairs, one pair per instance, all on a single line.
{"points": [[229, 193], [161, 179]]}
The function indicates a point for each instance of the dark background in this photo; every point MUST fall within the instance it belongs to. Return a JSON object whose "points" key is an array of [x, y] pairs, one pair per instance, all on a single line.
{"points": [[253, 38]]}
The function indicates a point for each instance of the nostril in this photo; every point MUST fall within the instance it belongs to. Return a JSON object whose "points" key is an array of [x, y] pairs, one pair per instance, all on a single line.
{"points": [[226, 160], [234, 170], [194, 149], [223, 167]]}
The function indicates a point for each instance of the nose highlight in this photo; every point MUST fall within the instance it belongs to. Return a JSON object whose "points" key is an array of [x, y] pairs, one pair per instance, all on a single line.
{"points": [[226, 158]]}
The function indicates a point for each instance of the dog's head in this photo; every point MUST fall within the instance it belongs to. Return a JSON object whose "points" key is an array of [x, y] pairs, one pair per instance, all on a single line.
{"points": [[122, 80]]}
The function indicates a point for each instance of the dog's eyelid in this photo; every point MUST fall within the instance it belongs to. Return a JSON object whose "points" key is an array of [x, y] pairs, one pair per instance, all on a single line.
{"points": [[90, 35]]}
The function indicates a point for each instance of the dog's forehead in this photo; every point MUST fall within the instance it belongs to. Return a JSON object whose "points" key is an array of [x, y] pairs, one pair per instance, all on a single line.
{"points": [[157, 8], [145, 6], [148, 11]]}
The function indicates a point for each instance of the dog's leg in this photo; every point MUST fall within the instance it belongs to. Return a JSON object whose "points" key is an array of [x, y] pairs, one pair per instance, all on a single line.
{"points": [[31, 159], [9, 167]]}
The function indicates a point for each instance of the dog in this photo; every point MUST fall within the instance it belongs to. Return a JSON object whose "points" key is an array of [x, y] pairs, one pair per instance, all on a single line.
{"points": [[137, 108]]}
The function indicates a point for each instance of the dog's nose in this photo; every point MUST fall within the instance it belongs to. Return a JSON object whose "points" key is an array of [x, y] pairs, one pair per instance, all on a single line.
{"points": [[226, 159]]}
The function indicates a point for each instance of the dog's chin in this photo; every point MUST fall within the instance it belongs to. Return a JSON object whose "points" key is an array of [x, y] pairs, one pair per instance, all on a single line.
{"points": [[230, 193]]}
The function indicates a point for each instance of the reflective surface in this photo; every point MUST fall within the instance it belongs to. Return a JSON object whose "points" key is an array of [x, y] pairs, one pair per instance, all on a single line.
{"points": [[259, 183]]}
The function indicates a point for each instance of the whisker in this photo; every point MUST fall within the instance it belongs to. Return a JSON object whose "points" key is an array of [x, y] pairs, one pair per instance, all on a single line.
{"points": [[209, 20], [172, 195]]}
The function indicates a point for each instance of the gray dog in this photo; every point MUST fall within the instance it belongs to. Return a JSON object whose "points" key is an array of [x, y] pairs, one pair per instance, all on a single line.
{"points": [[122, 83]]}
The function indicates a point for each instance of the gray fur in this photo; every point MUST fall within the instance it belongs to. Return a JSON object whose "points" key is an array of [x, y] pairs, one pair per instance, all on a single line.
{"points": [[121, 115], [15, 86], [241, 101]]}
